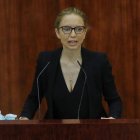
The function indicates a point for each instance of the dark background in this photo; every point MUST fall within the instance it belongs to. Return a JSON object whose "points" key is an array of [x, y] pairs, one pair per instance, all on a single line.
{"points": [[26, 28]]}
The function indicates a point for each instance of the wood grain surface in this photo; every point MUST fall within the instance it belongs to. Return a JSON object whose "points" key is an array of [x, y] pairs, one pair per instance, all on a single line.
{"points": [[27, 28]]}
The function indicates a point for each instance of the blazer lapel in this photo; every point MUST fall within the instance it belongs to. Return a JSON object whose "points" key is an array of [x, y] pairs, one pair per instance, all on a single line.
{"points": [[50, 76], [52, 70], [88, 65]]}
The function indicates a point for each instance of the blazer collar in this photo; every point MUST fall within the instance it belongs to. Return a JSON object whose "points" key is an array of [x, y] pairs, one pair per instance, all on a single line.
{"points": [[55, 59], [86, 61]]}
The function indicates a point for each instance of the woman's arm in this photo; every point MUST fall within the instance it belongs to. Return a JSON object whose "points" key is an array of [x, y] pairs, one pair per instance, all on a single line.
{"points": [[109, 90]]}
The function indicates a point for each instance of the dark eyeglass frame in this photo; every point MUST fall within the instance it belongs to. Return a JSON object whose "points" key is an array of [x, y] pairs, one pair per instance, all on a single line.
{"points": [[72, 28]]}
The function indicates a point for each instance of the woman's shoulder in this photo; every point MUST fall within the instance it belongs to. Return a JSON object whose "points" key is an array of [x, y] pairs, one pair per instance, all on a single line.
{"points": [[95, 57], [48, 54], [94, 54]]}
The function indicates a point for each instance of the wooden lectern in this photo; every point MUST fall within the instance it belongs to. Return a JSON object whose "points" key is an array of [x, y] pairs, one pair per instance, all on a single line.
{"points": [[119, 129]]}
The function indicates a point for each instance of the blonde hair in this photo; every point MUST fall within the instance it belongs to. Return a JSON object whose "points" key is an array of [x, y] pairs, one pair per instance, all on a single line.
{"points": [[68, 11]]}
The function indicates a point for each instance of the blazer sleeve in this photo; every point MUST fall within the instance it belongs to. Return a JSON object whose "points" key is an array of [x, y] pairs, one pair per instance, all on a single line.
{"points": [[32, 101], [109, 89]]}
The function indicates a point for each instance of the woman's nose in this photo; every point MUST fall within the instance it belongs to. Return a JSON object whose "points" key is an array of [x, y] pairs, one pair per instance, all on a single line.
{"points": [[73, 34]]}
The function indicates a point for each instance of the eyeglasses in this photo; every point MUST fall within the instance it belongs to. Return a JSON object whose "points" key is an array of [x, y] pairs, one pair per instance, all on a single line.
{"points": [[68, 29]]}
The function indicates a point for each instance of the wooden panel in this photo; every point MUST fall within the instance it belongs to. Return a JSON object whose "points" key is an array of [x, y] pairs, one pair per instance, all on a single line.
{"points": [[71, 129], [26, 28]]}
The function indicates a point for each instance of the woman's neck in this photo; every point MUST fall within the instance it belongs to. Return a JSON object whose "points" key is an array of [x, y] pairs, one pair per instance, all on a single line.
{"points": [[71, 55]]}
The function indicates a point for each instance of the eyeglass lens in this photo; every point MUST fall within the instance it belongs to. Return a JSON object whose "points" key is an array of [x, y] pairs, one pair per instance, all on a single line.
{"points": [[68, 29]]}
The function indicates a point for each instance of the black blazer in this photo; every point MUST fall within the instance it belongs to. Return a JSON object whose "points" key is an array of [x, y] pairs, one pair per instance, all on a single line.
{"points": [[100, 82]]}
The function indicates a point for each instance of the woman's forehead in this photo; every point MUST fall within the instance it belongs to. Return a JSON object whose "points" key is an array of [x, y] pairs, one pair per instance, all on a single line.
{"points": [[72, 20]]}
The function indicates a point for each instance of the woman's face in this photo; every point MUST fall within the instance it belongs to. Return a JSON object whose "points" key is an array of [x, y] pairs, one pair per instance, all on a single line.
{"points": [[72, 31]]}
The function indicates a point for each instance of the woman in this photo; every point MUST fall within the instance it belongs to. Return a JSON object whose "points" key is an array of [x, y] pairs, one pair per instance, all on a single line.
{"points": [[72, 78]]}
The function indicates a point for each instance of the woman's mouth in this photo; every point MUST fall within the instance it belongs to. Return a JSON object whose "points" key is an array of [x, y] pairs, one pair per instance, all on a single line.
{"points": [[72, 42]]}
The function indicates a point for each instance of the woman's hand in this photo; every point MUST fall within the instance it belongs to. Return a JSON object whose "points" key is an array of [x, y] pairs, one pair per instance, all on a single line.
{"points": [[23, 118], [108, 118]]}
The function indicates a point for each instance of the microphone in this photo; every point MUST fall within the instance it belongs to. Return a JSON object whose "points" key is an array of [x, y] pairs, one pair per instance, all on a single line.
{"points": [[38, 94], [79, 107]]}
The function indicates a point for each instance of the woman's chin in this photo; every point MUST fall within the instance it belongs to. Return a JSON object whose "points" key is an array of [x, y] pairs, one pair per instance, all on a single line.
{"points": [[73, 47]]}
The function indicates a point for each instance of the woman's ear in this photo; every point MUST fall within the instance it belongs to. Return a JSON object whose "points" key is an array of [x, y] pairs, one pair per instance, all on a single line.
{"points": [[57, 33]]}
